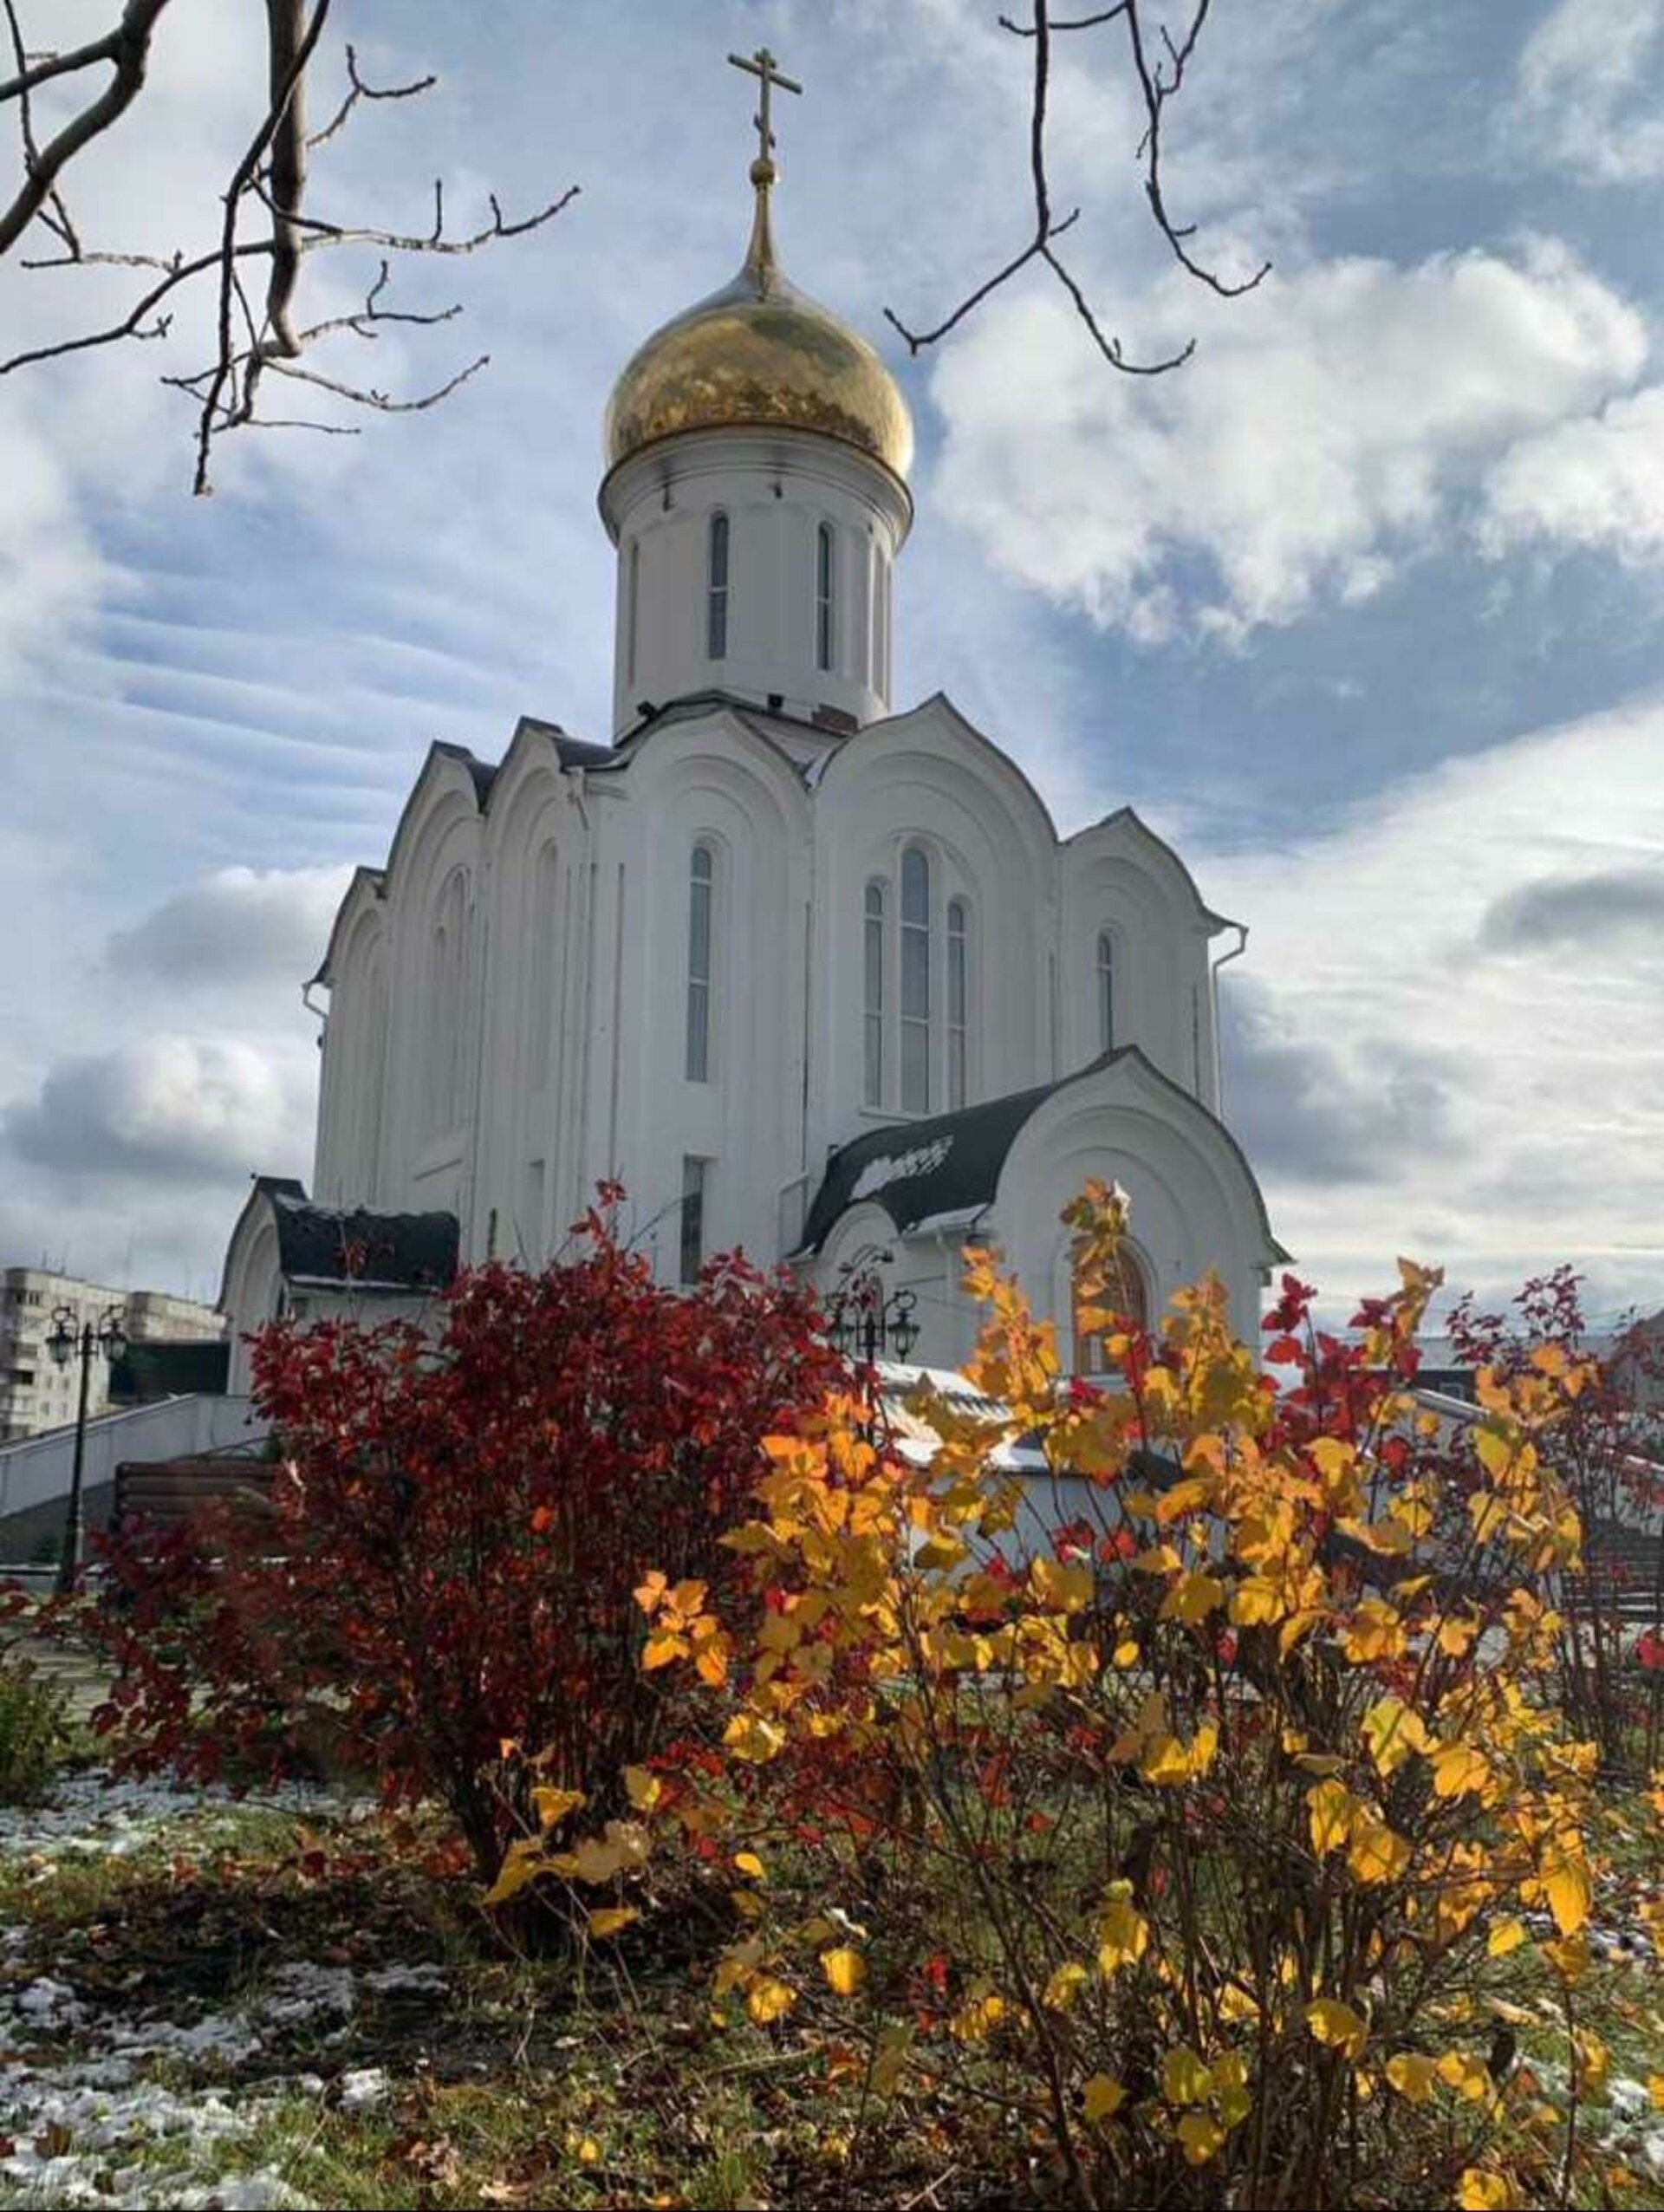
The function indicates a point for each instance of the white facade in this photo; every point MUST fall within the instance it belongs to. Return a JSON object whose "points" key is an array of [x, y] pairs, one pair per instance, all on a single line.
{"points": [[772, 918]]}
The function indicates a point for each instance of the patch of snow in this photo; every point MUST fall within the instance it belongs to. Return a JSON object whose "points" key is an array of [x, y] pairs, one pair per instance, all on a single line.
{"points": [[423, 1975], [365, 2087], [900, 1166], [47, 2004]]}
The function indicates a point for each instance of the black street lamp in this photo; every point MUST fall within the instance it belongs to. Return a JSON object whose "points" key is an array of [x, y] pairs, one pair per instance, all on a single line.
{"points": [[70, 1335], [865, 1322]]}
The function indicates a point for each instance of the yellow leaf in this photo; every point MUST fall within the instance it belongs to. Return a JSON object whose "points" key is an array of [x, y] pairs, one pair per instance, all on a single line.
{"points": [[587, 2151], [1480, 2190], [611, 1918], [1192, 1599], [1123, 1936], [1507, 1935], [1185, 2080], [748, 1862], [750, 1737], [552, 1805], [1655, 2089], [1458, 1768], [1393, 1732], [1331, 1806], [845, 1970], [662, 1649], [767, 1999], [977, 2018], [1378, 1852], [1064, 1987], [1411, 2075], [1068, 1588], [645, 1789], [1465, 2074], [1103, 2097], [1125, 1653], [1338, 2025], [523, 1863], [1567, 1887], [1200, 2135]]}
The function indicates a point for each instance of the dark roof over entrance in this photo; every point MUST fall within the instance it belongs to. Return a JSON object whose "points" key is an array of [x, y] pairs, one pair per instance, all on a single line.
{"points": [[328, 1243], [915, 1170], [951, 1164], [153, 1368]]}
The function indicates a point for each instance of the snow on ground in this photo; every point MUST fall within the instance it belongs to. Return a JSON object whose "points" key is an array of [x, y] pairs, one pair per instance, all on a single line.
{"points": [[112, 2105]]}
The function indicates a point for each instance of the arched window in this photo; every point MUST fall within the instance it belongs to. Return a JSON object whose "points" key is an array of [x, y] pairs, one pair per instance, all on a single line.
{"points": [[915, 981], [545, 924], [716, 592], [632, 608], [701, 894], [447, 972], [1106, 992], [372, 1081], [826, 558], [1124, 1294], [958, 1000], [873, 951], [881, 626]]}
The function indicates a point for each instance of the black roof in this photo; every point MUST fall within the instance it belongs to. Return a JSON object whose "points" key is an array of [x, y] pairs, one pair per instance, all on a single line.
{"points": [[155, 1368], [572, 752], [330, 1244], [951, 1163], [918, 1169]]}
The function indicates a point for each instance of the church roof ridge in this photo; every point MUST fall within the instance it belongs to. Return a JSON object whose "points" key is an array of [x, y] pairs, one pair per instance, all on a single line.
{"points": [[1128, 813]]}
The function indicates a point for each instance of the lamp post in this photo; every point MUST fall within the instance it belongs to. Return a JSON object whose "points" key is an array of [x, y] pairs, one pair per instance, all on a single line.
{"points": [[866, 1321], [71, 1336]]}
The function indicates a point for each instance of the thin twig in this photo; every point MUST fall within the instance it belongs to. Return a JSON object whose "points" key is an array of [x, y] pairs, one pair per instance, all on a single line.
{"points": [[357, 90], [1157, 86]]}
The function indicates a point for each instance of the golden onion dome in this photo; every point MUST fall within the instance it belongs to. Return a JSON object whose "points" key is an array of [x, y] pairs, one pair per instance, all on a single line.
{"points": [[758, 355]]}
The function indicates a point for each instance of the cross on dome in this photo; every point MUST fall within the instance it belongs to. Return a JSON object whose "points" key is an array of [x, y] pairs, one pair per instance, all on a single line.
{"points": [[762, 66]]}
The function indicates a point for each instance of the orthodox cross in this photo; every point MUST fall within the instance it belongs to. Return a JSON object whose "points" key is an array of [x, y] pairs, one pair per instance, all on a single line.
{"points": [[763, 67]]}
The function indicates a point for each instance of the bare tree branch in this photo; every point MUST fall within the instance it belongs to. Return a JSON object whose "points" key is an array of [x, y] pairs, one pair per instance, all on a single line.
{"points": [[1156, 88], [273, 172], [127, 47]]}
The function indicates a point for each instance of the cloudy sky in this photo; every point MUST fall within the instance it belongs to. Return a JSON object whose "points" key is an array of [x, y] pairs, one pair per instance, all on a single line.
{"points": [[1361, 608]]}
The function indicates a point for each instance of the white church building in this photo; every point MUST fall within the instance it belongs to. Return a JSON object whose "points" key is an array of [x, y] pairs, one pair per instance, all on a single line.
{"points": [[807, 974]]}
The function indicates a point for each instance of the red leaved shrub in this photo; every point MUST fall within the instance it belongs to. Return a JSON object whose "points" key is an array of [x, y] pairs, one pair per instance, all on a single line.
{"points": [[461, 1515]]}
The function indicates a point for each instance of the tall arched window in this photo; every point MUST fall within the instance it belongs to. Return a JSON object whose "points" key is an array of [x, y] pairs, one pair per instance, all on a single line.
{"points": [[1106, 992], [881, 626], [701, 895], [372, 1076], [1124, 1294], [915, 981], [545, 923], [716, 592], [826, 563], [633, 606], [959, 984], [447, 972], [873, 949]]}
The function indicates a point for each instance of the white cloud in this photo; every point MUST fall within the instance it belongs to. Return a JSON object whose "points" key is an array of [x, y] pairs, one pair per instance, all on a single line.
{"points": [[237, 926], [1597, 483], [183, 1110], [1587, 97], [1453, 979], [1325, 430]]}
